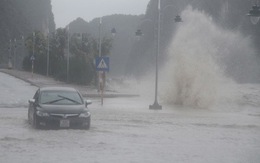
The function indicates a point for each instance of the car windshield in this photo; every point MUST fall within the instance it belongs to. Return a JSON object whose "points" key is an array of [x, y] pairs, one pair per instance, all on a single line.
{"points": [[60, 98]]}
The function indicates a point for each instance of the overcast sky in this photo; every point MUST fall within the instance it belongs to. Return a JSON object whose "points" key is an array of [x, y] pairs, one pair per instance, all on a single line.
{"points": [[66, 11]]}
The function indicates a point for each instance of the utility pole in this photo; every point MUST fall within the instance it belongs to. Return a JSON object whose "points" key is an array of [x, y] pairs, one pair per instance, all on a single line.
{"points": [[33, 58], [15, 53], [156, 105], [68, 57], [10, 55], [48, 53]]}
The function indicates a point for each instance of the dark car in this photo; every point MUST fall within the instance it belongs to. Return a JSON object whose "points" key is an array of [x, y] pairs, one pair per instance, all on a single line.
{"points": [[59, 107]]}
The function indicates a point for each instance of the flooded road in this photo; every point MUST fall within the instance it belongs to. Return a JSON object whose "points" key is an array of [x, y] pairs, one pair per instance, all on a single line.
{"points": [[125, 130]]}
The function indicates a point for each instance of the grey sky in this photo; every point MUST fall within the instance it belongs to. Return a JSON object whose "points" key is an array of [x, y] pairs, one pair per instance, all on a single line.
{"points": [[67, 10]]}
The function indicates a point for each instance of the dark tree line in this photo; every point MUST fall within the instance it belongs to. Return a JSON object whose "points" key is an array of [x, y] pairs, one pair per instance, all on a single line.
{"points": [[83, 49], [19, 18]]}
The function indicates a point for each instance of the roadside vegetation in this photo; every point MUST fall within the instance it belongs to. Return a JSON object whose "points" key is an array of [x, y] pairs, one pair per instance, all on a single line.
{"points": [[83, 49]]}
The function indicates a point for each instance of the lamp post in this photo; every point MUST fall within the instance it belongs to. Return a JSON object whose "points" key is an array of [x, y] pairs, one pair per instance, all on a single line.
{"points": [[10, 55], [113, 32], [15, 53], [21, 51], [254, 14], [32, 57], [101, 75], [68, 57], [48, 54], [156, 105], [99, 54], [13, 57], [99, 37]]}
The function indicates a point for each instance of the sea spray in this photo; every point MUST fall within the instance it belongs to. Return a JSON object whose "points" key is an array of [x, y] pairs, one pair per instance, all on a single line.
{"points": [[200, 60]]}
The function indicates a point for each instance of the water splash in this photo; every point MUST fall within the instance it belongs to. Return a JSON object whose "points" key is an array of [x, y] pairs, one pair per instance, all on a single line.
{"points": [[203, 58]]}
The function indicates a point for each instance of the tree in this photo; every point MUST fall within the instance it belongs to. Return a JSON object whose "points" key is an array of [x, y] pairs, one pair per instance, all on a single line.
{"points": [[83, 50], [58, 46], [36, 46]]}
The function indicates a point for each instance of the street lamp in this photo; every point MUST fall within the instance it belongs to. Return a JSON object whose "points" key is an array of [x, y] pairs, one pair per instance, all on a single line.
{"points": [[113, 32], [10, 55], [102, 74], [254, 14], [156, 105], [68, 57], [32, 57], [138, 33], [21, 52], [15, 46], [99, 33], [178, 19], [48, 53]]}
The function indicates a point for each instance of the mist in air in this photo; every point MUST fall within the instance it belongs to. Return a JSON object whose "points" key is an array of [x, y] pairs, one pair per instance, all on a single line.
{"points": [[205, 61]]}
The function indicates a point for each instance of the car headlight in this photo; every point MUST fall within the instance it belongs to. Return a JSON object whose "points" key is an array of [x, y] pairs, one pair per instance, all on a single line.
{"points": [[85, 114], [42, 114]]}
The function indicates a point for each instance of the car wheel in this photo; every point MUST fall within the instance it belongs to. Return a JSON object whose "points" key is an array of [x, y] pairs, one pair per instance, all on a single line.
{"points": [[88, 125], [29, 120], [36, 123]]}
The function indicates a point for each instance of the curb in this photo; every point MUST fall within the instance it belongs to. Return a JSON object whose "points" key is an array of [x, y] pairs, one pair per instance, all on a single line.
{"points": [[16, 74]]}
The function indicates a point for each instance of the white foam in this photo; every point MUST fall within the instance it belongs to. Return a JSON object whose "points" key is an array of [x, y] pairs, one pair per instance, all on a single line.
{"points": [[200, 62]]}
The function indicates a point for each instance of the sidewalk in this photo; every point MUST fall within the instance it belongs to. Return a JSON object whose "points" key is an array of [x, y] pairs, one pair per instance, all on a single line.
{"points": [[41, 81]]}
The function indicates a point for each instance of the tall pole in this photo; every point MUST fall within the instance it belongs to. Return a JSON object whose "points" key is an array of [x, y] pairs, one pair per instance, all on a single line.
{"points": [[14, 53], [10, 54], [23, 46], [68, 57], [100, 74], [32, 58], [156, 105], [99, 34], [48, 53]]}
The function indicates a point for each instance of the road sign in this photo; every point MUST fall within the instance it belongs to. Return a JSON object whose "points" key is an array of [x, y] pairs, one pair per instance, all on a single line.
{"points": [[32, 58], [102, 64]]}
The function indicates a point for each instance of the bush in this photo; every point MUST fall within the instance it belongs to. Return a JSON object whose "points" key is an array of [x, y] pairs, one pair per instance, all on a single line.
{"points": [[81, 71]]}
